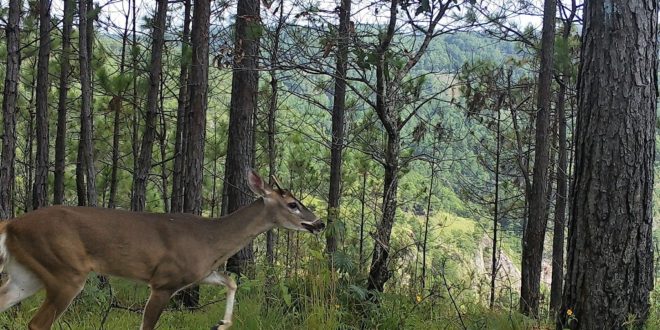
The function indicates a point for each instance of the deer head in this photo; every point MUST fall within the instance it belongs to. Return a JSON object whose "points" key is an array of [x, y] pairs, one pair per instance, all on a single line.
{"points": [[286, 210]]}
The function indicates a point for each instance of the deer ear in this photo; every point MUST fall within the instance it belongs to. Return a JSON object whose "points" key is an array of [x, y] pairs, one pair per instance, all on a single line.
{"points": [[257, 184]]}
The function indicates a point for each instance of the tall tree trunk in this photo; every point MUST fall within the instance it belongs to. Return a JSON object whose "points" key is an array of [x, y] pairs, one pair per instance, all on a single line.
{"points": [[9, 102], [198, 104], [176, 204], [496, 207], [40, 188], [60, 138], [196, 121], [610, 249], [558, 237], [427, 221], [136, 100], [29, 141], [86, 111], [534, 235], [140, 177], [116, 108], [81, 191], [272, 114], [245, 86], [337, 139], [379, 273], [162, 139], [362, 219], [560, 206]]}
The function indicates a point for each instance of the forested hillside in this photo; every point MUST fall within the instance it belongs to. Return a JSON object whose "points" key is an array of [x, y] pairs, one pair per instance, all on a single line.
{"points": [[473, 162]]}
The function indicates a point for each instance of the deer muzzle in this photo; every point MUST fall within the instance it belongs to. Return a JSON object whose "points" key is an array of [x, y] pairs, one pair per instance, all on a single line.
{"points": [[314, 227]]}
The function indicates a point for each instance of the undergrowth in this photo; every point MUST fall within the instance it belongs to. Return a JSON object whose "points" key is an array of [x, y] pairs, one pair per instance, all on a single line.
{"points": [[315, 298]]}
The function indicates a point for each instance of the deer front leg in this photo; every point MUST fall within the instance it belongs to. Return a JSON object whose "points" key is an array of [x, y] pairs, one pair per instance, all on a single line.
{"points": [[216, 278]]}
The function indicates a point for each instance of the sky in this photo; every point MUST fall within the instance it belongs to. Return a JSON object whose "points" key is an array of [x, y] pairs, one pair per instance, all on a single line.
{"points": [[114, 10]]}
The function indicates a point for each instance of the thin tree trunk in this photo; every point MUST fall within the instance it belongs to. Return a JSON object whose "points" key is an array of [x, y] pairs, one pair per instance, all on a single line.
{"points": [[560, 207], [562, 181], [29, 143], [214, 174], [136, 101], [496, 206], [60, 139], [86, 112], [337, 139], [427, 220], [115, 107], [610, 250], [362, 203], [272, 114], [176, 204], [40, 188], [117, 110], [534, 235], [9, 102], [379, 273], [162, 139], [245, 86], [81, 191], [196, 121], [141, 176]]}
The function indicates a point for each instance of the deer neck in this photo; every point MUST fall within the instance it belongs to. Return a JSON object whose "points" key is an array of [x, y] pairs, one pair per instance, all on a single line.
{"points": [[237, 229]]}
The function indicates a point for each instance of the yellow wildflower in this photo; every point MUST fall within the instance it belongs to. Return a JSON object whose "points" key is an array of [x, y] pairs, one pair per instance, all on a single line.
{"points": [[569, 312], [418, 298]]}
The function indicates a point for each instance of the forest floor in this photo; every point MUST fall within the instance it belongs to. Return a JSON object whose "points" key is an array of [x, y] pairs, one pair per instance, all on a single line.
{"points": [[258, 309]]}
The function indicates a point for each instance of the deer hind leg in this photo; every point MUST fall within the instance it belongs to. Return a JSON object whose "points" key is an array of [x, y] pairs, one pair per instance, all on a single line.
{"points": [[221, 279], [21, 284], [58, 298], [157, 302]]}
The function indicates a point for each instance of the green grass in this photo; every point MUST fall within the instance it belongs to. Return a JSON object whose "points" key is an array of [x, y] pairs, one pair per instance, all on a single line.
{"points": [[318, 300]]}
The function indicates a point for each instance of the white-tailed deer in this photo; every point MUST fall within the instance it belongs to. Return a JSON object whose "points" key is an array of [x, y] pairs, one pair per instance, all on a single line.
{"points": [[55, 248]]}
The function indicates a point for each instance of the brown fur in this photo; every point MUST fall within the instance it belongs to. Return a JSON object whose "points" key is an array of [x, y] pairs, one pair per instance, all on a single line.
{"points": [[62, 245]]}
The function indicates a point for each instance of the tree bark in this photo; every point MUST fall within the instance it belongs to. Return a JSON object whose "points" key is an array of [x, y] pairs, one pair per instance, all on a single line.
{"points": [[40, 188], [86, 94], [534, 235], [379, 272], [388, 94], [496, 206], [362, 219], [141, 176], [81, 191], [272, 114], [162, 142], [198, 104], [176, 204], [245, 87], [610, 249], [558, 237], [9, 101], [60, 138], [196, 121], [116, 108], [427, 219], [136, 101], [337, 139]]}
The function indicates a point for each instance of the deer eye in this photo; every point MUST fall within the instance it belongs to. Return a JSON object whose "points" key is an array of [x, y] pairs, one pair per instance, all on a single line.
{"points": [[292, 205]]}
